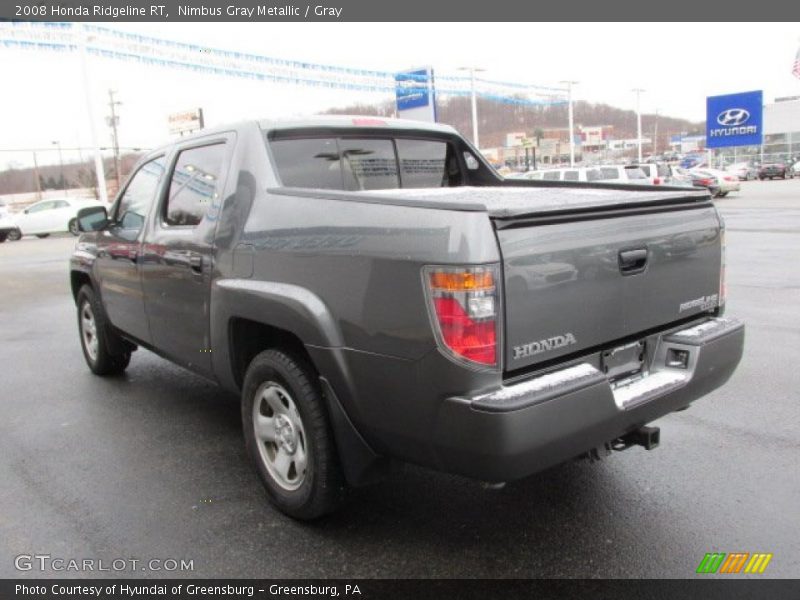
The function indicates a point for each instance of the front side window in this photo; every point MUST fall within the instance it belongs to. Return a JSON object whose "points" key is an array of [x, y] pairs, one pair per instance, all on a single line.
{"points": [[570, 176], [41, 206], [138, 196], [194, 185], [552, 176]]}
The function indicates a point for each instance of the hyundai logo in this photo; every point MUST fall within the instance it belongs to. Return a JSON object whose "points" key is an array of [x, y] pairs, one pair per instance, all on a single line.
{"points": [[733, 117]]}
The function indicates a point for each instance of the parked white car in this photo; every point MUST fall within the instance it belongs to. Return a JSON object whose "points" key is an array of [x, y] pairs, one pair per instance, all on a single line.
{"points": [[726, 182], [598, 174], [54, 215], [7, 225], [744, 171]]}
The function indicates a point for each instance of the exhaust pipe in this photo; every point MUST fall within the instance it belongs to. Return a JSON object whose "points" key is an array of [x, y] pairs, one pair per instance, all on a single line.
{"points": [[646, 437]]}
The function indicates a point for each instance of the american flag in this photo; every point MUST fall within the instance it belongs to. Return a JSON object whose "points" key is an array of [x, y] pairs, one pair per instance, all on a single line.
{"points": [[796, 67]]}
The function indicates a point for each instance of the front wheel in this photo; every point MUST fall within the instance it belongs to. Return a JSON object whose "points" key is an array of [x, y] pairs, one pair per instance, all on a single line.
{"points": [[73, 227], [288, 436], [96, 336]]}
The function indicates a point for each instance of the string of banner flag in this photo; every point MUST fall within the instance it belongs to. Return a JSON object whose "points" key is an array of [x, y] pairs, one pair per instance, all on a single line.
{"points": [[107, 43]]}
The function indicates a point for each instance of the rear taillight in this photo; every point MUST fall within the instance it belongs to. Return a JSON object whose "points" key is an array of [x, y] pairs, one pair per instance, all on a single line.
{"points": [[705, 181], [464, 310], [729, 178], [657, 181]]}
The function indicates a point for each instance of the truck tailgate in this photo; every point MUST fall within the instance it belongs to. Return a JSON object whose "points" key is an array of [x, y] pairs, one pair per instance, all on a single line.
{"points": [[576, 283]]}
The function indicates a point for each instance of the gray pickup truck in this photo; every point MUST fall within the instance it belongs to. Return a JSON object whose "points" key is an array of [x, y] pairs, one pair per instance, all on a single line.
{"points": [[375, 291]]}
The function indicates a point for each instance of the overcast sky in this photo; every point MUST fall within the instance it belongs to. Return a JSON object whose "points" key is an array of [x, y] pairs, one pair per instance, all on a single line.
{"points": [[677, 64]]}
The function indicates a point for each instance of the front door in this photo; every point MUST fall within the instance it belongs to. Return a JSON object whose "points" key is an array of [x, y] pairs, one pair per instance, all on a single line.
{"points": [[178, 256], [119, 252]]}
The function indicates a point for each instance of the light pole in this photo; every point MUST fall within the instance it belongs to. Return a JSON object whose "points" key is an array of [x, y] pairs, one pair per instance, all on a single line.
{"points": [[638, 92], [472, 71], [569, 85], [113, 121], [61, 167]]}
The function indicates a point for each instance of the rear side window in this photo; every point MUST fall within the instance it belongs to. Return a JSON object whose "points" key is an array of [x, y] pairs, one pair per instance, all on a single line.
{"points": [[552, 176], [609, 173], [369, 164], [570, 176], [194, 185], [635, 173], [422, 163], [593, 175], [663, 171], [312, 163]]}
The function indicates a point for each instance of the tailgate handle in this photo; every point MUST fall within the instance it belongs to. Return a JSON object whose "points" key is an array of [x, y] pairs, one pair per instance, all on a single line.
{"points": [[632, 261]]}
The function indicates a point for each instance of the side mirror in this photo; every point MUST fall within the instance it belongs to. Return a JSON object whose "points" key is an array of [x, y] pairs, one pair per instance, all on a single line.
{"points": [[92, 218]]}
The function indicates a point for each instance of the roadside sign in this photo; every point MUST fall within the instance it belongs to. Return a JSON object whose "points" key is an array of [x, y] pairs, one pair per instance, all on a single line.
{"points": [[186, 121], [735, 120], [415, 95]]}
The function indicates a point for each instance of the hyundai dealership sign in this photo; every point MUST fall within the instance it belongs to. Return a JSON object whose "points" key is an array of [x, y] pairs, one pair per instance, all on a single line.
{"points": [[735, 120], [415, 94]]}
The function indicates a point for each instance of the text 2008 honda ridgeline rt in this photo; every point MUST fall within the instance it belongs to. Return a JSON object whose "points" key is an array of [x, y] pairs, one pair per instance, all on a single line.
{"points": [[375, 291]]}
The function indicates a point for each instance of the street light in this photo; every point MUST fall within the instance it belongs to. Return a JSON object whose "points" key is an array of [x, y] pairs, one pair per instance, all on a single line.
{"points": [[472, 71], [61, 166], [638, 92], [569, 85]]}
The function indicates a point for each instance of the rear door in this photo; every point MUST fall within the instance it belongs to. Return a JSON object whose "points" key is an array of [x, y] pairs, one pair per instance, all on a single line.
{"points": [[178, 255], [573, 286]]}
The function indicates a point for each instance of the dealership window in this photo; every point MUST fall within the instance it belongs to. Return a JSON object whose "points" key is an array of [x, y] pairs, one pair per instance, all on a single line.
{"points": [[194, 185]]}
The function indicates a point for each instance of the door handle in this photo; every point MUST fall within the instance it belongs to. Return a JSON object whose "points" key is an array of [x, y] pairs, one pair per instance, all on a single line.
{"points": [[632, 261], [196, 262]]}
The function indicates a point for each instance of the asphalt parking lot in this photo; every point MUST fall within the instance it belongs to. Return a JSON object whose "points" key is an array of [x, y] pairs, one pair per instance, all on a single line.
{"points": [[152, 464]]}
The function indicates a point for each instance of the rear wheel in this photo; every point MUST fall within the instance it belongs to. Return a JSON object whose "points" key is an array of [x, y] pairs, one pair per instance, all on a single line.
{"points": [[722, 194], [14, 235], [288, 436], [73, 227], [97, 337]]}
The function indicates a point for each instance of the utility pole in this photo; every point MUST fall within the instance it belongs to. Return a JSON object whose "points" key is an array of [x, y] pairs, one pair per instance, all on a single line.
{"points": [[113, 121], [38, 178], [472, 71], [638, 92], [61, 167], [655, 135], [569, 85]]}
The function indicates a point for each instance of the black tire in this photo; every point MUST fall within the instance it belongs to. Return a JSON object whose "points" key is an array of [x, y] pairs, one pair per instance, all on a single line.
{"points": [[41, 236], [104, 361], [3, 237], [72, 227], [722, 194], [14, 235], [321, 486]]}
